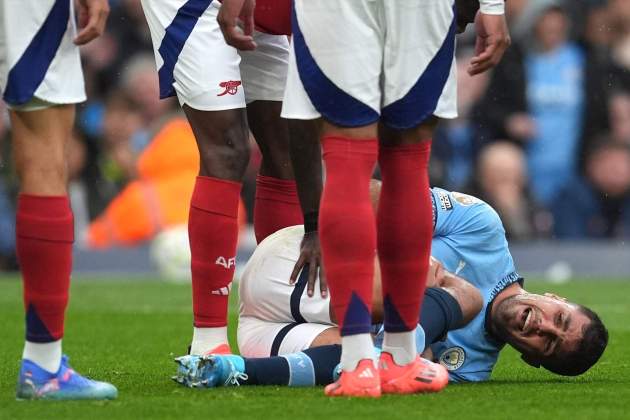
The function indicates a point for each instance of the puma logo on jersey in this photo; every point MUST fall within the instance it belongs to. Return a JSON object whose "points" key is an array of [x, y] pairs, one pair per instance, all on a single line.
{"points": [[367, 373], [460, 267], [231, 87], [226, 263]]}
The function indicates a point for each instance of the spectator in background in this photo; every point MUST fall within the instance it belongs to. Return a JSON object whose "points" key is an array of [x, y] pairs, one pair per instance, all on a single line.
{"points": [[599, 205], [546, 95], [453, 149], [501, 181]]}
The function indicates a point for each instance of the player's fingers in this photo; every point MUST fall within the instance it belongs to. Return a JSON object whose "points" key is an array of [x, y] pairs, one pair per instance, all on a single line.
{"points": [[323, 285], [236, 38], [312, 278], [296, 269], [248, 25], [97, 18]]}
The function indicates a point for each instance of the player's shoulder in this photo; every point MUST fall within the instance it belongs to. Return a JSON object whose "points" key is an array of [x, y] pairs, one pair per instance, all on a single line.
{"points": [[452, 207]]}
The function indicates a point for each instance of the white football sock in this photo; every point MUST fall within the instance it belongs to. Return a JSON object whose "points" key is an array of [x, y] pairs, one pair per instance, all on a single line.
{"points": [[206, 339], [355, 348], [45, 355], [402, 346]]}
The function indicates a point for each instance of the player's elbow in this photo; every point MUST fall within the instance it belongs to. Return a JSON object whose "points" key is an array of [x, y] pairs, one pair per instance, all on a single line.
{"points": [[471, 304], [468, 298]]}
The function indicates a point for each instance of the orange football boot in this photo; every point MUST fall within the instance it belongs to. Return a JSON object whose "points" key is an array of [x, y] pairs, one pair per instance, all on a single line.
{"points": [[362, 382], [418, 376], [220, 349]]}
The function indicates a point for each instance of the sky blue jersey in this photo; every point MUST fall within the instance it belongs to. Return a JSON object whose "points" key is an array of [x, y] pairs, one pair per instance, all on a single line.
{"points": [[469, 240]]}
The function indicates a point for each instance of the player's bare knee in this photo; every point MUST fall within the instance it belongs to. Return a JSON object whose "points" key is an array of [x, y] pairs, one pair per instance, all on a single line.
{"points": [[225, 161], [327, 337]]}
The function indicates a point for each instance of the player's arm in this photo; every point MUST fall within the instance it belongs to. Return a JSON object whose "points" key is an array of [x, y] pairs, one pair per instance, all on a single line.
{"points": [[493, 37], [92, 19], [463, 305], [306, 158]]}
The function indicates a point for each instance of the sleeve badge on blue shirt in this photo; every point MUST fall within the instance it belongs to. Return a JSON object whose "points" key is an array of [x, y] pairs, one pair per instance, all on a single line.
{"points": [[453, 358]]}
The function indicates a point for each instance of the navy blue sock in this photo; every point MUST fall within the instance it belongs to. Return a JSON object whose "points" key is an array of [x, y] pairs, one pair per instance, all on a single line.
{"points": [[307, 368]]}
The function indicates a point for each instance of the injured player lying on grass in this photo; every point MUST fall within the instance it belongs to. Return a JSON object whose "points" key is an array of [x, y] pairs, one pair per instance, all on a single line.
{"points": [[289, 338]]}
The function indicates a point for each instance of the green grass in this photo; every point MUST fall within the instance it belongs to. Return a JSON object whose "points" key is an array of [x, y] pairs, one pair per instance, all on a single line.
{"points": [[127, 332]]}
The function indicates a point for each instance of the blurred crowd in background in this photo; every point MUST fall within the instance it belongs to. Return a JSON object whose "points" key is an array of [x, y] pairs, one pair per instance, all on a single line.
{"points": [[544, 138]]}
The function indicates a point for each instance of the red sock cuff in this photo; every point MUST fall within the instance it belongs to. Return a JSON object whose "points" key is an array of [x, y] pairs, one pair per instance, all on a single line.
{"points": [[423, 148], [47, 218], [342, 146], [208, 189], [270, 188]]}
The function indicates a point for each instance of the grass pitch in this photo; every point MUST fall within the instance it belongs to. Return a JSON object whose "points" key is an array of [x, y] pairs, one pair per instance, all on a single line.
{"points": [[128, 331]]}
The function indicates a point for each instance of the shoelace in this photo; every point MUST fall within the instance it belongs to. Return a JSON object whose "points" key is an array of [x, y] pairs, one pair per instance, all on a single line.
{"points": [[235, 376]]}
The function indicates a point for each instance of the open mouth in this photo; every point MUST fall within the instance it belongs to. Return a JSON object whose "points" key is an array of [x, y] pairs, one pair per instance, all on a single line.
{"points": [[526, 319]]}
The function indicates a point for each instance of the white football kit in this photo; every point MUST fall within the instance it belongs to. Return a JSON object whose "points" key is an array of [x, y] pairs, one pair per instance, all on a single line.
{"points": [[195, 64], [357, 61], [40, 65], [274, 316]]}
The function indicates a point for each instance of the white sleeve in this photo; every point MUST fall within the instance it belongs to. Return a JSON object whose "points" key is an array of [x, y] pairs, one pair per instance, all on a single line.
{"points": [[492, 7]]}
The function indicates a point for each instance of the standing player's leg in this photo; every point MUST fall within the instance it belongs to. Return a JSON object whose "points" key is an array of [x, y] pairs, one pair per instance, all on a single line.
{"points": [[44, 237], [41, 80], [323, 81], [264, 77], [196, 65], [417, 65], [212, 226]]}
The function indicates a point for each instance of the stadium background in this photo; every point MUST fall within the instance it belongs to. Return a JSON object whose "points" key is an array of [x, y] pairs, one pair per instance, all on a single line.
{"points": [[545, 139]]}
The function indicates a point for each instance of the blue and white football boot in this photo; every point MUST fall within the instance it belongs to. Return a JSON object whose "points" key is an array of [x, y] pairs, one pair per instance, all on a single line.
{"points": [[36, 383], [210, 371]]}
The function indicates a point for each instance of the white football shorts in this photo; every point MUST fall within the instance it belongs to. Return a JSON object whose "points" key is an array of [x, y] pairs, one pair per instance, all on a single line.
{"points": [[354, 62], [39, 64], [274, 316], [195, 64]]}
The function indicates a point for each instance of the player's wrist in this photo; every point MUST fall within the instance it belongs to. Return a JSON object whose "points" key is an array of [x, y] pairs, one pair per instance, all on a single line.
{"points": [[310, 221], [492, 7]]}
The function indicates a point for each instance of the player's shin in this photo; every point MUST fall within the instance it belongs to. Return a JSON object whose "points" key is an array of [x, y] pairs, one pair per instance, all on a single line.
{"points": [[348, 239], [213, 233], [44, 236], [404, 243]]}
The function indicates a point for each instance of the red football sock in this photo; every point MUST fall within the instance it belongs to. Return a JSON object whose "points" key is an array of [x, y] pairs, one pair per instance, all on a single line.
{"points": [[213, 234], [277, 206], [347, 230], [44, 236], [405, 228]]}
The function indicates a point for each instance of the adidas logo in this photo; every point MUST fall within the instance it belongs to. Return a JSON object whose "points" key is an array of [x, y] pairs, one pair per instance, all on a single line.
{"points": [[367, 373], [223, 291]]}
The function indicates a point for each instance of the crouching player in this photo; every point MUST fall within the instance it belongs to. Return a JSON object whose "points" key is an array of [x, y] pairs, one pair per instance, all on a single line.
{"points": [[469, 239]]}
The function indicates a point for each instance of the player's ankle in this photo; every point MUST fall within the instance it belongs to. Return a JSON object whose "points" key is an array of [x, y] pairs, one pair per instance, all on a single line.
{"points": [[207, 339], [401, 346], [356, 348], [45, 355]]}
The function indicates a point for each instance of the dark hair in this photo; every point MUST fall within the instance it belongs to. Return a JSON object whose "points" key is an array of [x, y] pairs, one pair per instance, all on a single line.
{"points": [[588, 352]]}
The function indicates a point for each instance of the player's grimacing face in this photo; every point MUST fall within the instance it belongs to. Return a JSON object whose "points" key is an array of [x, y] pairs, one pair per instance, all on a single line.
{"points": [[541, 325]]}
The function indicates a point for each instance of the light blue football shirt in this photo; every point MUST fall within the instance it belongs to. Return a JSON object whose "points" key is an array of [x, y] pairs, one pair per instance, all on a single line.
{"points": [[469, 240]]}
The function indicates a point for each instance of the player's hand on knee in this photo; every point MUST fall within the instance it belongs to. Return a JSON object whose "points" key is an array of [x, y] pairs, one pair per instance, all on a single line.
{"points": [[230, 13], [493, 39], [92, 19], [310, 255]]}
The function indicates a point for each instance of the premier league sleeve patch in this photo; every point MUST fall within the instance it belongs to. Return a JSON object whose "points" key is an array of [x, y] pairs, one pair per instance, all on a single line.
{"points": [[465, 199], [453, 358]]}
